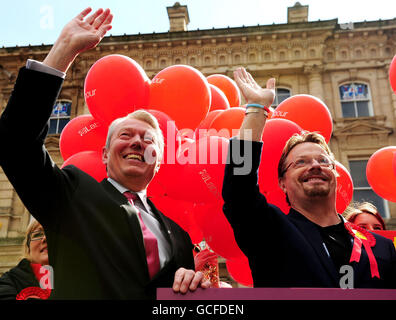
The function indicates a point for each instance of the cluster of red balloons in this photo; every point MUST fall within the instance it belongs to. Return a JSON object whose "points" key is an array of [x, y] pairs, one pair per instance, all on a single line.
{"points": [[197, 115]]}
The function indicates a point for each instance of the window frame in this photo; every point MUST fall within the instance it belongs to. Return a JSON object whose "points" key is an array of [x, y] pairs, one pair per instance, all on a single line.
{"points": [[355, 101], [276, 103], [52, 118]]}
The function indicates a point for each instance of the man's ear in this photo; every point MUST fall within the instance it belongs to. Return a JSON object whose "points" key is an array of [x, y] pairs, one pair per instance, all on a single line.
{"points": [[282, 184], [104, 156]]}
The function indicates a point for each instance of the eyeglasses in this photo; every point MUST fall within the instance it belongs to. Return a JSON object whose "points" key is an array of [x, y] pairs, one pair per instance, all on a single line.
{"points": [[303, 162], [37, 235]]}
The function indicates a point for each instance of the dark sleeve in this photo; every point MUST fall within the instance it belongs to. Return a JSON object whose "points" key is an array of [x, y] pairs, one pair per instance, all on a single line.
{"points": [[23, 129], [16, 279], [245, 207], [8, 290]]}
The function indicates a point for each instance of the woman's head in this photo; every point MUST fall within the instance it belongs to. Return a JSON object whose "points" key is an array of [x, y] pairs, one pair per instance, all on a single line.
{"points": [[35, 244], [365, 215]]}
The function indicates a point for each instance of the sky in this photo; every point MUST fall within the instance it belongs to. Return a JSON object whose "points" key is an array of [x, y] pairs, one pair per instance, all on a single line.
{"points": [[39, 22]]}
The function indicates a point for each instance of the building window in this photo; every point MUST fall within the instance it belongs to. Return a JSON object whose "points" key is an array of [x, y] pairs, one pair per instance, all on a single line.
{"points": [[60, 116], [362, 190], [280, 95], [355, 100]]}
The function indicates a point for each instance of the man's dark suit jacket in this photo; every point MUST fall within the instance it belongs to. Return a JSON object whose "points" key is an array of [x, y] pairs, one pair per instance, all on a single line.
{"points": [[288, 250], [95, 243]]}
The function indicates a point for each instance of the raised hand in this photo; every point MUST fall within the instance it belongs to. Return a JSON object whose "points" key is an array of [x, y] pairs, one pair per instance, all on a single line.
{"points": [[251, 91], [80, 34]]}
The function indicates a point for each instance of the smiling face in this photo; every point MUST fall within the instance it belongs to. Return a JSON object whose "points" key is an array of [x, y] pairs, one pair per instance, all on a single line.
{"points": [[132, 155], [38, 246], [315, 180]]}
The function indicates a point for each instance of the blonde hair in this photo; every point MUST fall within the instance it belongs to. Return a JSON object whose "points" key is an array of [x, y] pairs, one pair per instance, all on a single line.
{"points": [[144, 116], [26, 242], [357, 208]]}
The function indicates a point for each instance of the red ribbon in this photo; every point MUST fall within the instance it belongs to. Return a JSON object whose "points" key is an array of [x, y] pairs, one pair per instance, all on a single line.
{"points": [[367, 243]]}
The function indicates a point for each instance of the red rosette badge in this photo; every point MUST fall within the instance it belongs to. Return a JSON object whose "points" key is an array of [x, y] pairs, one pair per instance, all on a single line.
{"points": [[33, 293]]}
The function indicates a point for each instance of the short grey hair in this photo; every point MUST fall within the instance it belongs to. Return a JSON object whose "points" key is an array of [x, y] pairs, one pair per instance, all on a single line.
{"points": [[144, 116]]}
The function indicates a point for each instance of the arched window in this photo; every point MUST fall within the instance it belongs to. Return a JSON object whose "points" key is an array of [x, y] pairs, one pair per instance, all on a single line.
{"points": [[355, 100], [60, 116], [280, 95]]}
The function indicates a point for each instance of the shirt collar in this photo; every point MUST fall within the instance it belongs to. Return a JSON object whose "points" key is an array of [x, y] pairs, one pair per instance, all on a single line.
{"points": [[141, 194]]}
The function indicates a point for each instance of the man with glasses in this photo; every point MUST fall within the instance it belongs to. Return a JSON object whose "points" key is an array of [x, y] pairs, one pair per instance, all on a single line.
{"points": [[311, 246]]}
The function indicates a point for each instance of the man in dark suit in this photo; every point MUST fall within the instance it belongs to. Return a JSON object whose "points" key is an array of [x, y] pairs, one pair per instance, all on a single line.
{"points": [[312, 246], [97, 233]]}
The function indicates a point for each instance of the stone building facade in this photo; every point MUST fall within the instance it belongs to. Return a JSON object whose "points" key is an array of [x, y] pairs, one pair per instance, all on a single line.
{"points": [[345, 65]]}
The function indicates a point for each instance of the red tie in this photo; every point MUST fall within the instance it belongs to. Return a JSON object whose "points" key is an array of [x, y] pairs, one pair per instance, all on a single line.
{"points": [[150, 241]]}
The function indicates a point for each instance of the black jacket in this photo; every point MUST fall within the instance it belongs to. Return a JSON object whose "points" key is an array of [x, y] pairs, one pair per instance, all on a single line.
{"points": [[95, 243], [16, 279], [287, 250]]}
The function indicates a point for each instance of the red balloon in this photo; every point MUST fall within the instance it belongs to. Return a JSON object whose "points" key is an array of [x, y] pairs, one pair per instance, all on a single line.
{"points": [[219, 99], [228, 86], [181, 212], [228, 123], [169, 131], [90, 162], [394, 164], [82, 133], [170, 180], [216, 230], [379, 172], [203, 165], [392, 74], [183, 93], [275, 135], [202, 130], [115, 86], [344, 188], [239, 270], [309, 112]]}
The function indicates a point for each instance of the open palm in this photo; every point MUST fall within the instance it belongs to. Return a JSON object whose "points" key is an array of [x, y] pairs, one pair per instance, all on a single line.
{"points": [[251, 91], [84, 32]]}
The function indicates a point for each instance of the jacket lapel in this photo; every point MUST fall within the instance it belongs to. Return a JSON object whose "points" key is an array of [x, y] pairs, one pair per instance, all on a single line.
{"points": [[313, 236]]}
